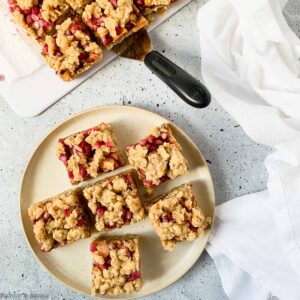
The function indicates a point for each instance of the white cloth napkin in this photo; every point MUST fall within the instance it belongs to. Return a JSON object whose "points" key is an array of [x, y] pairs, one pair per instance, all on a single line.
{"points": [[19, 54], [251, 65]]}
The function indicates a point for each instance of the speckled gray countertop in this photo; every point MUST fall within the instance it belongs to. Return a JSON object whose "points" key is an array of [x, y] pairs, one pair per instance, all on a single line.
{"points": [[235, 161]]}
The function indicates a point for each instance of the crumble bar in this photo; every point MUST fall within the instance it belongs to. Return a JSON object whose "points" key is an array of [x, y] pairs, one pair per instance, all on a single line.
{"points": [[38, 17], [71, 51], [176, 216], [59, 220], [113, 20], [116, 265], [114, 202], [153, 6], [89, 153], [157, 157]]}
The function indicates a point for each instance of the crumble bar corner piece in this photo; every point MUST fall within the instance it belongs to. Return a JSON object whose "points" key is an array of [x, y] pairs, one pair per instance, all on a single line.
{"points": [[116, 265], [176, 216], [157, 157], [59, 220]]}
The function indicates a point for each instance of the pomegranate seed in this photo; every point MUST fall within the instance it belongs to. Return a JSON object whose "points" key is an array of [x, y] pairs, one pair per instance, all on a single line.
{"points": [[80, 223], [142, 171], [28, 20], [134, 275], [63, 157], [109, 144], [67, 212], [28, 11], [164, 135], [158, 142], [100, 211], [115, 155], [151, 139], [153, 147], [71, 175], [35, 10], [143, 142], [140, 2], [119, 30], [93, 247], [11, 2], [36, 24], [98, 144], [130, 178], [113, 2], [74, 28]]}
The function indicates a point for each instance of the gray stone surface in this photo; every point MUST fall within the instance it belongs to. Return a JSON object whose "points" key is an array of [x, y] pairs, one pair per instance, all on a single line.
{"points": [[235, 161]]}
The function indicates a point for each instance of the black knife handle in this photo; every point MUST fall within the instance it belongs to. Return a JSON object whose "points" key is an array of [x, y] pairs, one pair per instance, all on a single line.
{"points": [[188, 88]]}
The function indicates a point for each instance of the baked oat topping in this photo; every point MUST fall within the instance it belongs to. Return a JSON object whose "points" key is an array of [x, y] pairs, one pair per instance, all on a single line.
{"points": [[78, 5], [157, 157], [89, 153], [29, 15], [59, 220], [113, 20], [116, 266], [114, 202], [177, 217], [53, 9], [152, 6], [71, 51]]}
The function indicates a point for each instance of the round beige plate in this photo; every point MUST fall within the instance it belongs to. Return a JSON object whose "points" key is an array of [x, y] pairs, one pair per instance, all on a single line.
{"points": [[45, 176]]}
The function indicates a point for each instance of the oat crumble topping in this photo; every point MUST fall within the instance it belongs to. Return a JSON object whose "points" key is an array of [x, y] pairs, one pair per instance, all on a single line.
{"points": [[114, 202], [157, 158], [59, 220], [116, 266], [112, 21], [53, 9], [89, 153], [177, 217]]}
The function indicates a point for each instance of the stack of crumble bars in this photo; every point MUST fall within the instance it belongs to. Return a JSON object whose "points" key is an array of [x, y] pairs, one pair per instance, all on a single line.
{"points": [[114, 202], [72, 33]]}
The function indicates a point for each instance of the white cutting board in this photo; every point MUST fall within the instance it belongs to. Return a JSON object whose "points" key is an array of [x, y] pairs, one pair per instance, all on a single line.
{"points": [[31, 95]]}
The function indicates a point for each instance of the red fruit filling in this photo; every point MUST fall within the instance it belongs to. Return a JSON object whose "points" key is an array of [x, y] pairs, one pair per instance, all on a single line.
{"points": [[130, 178], [167, 217], [93, 247], [100, 211], [134, 275], [80, 223], [126, 214], [67, 212], [106, 40]]}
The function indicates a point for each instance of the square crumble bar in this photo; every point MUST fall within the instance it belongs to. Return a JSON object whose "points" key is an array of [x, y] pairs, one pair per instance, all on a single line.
{"points": [[113, 20], [71, 51], [116, 265], [39, 17], [176, 216], [114, 202], [59, 220], [157, 157], [89, 153], [153, 6]]}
